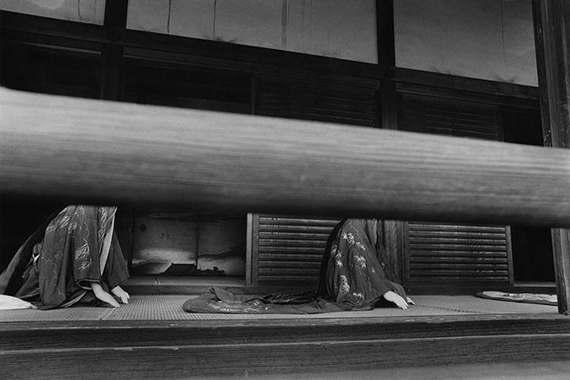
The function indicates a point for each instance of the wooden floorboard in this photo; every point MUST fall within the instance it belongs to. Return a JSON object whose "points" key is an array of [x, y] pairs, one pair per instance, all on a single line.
{"points": [[180, 349], [54, 335], [236, 359], [152, 337], [550, 370]]}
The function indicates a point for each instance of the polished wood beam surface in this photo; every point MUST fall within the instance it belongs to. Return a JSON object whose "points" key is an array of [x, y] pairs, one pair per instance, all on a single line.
{"points": [[115, 153]]}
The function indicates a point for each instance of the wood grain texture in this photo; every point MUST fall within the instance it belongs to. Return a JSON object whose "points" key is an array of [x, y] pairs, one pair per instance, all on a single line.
{"points": [[552, 36], [275, 358], [111, 153], [561, 251], [169, 349]]}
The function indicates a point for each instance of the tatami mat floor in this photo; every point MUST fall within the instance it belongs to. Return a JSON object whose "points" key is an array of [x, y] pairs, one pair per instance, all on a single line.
{"points": [[169, 307]]}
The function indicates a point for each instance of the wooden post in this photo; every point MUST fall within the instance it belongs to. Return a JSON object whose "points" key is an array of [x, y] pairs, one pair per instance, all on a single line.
{"points": [[385, 32], [388, 118], [112, 80], [552, 36], [2, 75]]}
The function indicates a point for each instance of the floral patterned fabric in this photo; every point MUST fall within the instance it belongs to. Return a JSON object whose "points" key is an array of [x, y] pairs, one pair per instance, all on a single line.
{"points": [[354, 269], [55, 266]]}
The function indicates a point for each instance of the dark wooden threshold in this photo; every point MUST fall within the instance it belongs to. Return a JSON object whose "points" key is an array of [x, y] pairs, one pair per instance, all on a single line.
{"points": [[181, 349]]}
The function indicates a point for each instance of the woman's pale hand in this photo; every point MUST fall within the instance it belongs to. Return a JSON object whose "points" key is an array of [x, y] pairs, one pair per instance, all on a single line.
{"points": [[396, 299], [103, 295], [121, 294], [409, 300]]}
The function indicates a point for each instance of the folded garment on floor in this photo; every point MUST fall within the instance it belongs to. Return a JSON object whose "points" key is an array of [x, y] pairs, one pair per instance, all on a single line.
{"points": [[217, 300], [13, 303], [543, 299]]}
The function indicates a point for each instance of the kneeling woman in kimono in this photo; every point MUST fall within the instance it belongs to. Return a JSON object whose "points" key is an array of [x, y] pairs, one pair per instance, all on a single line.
{"points": [[353, 270], [74, 257], [352, 277]]}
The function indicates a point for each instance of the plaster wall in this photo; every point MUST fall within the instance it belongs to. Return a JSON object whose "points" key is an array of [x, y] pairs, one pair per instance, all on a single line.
{"points": [[344, 29], [87, 11], [485, 39]]}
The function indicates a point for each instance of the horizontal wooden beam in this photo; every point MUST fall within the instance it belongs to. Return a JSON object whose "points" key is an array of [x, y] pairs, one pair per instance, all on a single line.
{"points": [[91, 151], [265, 347]]}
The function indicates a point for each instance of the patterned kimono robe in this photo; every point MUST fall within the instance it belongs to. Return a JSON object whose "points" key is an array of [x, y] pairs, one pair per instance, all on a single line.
{"points": [[354, 271], [353, 277], [55, 266]]}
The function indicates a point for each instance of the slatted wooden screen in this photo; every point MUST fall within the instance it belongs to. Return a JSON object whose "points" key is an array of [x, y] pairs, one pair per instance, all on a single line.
{"points": [[308, 99], [288, 250], [446, 255], [449, 117], [150, 82], [458, 254]]}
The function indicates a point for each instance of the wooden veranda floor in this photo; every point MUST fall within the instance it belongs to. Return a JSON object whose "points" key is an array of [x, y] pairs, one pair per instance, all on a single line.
{"points": [[153, 337]]}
